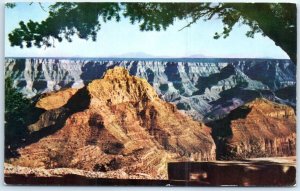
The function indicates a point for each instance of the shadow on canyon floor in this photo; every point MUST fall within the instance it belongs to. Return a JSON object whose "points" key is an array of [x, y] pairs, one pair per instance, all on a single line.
{"points": [[221, 130]]}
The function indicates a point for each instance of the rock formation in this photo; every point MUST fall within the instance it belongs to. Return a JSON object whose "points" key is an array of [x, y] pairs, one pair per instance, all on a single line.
{"points": [[259, 128], [117, 123], [206, 89], [55, 100]]}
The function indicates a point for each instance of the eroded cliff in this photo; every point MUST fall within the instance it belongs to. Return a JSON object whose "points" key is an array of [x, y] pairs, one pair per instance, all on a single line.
{"points": [[122, 126], [206, 89], [257, 129]]}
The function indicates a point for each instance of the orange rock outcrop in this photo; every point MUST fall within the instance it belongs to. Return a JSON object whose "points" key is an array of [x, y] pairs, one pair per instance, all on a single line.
{"points": [[56, 100], [260, 127], [122, 125]]}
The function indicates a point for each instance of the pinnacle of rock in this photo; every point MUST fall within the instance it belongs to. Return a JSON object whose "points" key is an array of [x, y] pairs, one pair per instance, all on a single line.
{"points": [[117, 86]]}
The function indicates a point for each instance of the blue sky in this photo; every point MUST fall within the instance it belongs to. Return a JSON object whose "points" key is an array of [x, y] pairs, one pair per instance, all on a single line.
{"points": [[119, 39]]}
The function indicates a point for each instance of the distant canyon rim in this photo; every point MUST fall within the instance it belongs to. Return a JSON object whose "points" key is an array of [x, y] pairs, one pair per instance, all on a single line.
{"points": [[118, 119], [206, 89]]}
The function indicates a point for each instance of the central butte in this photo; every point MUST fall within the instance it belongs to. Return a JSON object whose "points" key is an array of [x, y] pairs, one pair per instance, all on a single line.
{"points": [[117, 125]]}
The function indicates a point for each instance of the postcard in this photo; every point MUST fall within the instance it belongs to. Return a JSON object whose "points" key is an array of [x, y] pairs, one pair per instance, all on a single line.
{"points": [[150, 94]]}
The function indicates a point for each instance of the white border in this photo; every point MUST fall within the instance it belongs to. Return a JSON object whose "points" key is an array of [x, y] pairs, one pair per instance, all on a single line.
{"points": [[74, 188]]}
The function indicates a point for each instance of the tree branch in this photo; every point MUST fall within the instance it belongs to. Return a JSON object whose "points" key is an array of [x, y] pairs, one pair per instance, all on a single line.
{"points": [[42, 7]]}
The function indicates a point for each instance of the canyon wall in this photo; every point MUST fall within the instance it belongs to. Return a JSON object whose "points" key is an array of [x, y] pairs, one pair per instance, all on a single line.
{"points": [[206, 89], [260, 128], [117, 123]]}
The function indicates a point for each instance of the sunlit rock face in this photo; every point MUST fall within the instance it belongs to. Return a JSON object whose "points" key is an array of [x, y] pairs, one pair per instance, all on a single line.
{"points": [[260, 128], [206, 89], [115, 124]]}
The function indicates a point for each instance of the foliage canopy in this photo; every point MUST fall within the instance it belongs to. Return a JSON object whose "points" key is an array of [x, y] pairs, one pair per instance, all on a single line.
{"points": [[275, 20]]}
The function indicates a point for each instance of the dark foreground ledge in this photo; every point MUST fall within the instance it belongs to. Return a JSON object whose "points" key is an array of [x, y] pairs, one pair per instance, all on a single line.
{"points": [[235, 173], [260, 172], [72, 180]]}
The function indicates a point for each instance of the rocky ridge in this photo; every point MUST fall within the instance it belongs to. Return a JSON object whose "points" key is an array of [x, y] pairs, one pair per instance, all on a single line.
{"points": [[117, 123], [258, 129], [55, 100], [206, 89]]}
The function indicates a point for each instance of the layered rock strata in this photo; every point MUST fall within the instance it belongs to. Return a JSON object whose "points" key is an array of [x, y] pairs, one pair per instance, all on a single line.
{"points": [[259, 128], [122, 125], [206, 89]]}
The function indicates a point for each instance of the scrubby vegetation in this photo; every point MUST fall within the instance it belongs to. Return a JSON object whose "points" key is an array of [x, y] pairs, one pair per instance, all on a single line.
{"points": [[17, 116]]}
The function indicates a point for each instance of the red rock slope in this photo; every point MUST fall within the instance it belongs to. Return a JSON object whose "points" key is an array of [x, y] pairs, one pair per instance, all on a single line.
{"points": [[124, 127], [259, 128]]}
